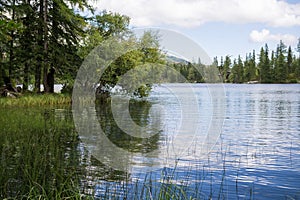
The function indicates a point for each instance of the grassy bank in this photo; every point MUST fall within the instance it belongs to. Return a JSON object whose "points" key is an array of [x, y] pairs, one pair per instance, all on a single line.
{"points": [[36, 100], [37, 151]]}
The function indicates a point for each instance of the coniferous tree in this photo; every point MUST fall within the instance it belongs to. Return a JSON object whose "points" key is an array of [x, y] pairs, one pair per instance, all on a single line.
{"points": [[253, 67], [281, 67], [264, 63], [290, 61], [226, 69], [261, 64], [220, 67], [297, 65], [240, 70], [250, 68], [237, 71]]}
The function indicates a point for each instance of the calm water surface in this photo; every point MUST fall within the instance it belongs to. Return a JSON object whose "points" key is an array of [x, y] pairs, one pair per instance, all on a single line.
{"points": [[256, 156]]}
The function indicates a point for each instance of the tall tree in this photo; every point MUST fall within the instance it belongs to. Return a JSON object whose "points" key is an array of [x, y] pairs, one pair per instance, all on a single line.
{"points": [[27, 41], [224, 68], [265, 67], [281, 67], [252, 67], [297, 65], [290, 61], [237, 71]]}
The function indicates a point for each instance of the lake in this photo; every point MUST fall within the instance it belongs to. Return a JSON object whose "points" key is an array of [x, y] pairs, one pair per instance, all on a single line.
{"points": [[255, 156], [232, 141]]}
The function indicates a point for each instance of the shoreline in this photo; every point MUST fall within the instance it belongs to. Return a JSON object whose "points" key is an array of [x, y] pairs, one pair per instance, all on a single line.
{"points": [[27, 100]]}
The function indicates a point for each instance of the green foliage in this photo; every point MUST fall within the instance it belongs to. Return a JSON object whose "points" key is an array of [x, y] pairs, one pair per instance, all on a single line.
{"points": [[281, 70], [224, 68], [237, 72], [184, 72], [282, 67], [250, 68], [111, 24], [264, 65], [45, 41], [137, 60]]}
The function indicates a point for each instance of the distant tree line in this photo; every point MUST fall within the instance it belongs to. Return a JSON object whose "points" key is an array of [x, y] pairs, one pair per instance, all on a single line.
{"points": [[280, 66], [184, 72]]}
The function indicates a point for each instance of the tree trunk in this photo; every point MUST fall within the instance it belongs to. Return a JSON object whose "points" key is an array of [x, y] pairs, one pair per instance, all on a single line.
{"points": [[11, 52], [50, 80], [37, 77], [1, 69], [45, 49], [27, 39], [53, 38], [40, 58], [26, 76]]}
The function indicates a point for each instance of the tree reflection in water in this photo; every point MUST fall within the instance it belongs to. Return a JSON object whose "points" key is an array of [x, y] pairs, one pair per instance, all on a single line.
{"points": [[103, 179]]}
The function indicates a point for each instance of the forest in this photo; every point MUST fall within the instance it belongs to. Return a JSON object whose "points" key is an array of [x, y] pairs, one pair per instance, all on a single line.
{"points": [[44, 42], [280, 66]]}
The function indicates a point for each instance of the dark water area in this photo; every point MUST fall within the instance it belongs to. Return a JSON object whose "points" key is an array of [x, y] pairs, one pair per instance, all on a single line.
{"points": [[254, 155]]}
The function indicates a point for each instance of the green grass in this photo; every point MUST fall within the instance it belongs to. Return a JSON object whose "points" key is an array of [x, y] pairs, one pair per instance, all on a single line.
{"points": [[36, 100], [40, 159], [34, 161]]}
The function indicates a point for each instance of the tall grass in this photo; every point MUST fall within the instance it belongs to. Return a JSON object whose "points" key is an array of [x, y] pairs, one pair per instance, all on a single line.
{"points": [[41, 158], [36, 100], [36, 162]]}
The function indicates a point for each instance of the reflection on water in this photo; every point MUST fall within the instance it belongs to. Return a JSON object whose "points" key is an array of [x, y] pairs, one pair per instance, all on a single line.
{"points": [[139, 111], [262, 135], [257, 155]]}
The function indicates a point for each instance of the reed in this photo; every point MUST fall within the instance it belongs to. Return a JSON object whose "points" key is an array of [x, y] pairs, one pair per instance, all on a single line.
{"points": [[34, 164], [40, 159], [36, 100]]}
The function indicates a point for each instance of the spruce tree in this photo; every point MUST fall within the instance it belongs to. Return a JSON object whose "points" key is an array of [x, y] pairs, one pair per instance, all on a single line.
{"points": [[281, 66]]}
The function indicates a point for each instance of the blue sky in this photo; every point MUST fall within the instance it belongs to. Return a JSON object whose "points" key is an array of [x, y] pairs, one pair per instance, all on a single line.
{"points": [[220, 27]]}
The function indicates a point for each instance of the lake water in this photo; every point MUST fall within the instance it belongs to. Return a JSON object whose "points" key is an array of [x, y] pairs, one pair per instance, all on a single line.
{"points": [[254, 155], [186, 140]]}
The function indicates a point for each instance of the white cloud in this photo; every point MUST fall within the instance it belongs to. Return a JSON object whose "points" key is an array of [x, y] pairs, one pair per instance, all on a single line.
{"points": [[265, 35], [192, 13]]}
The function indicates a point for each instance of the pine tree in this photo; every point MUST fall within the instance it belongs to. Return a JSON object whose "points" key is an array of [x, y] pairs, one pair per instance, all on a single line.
{"points": [[297, 65], [250, 68], [290, 61], [264, 65], [281, 66], [226, 69], [240, 70]]}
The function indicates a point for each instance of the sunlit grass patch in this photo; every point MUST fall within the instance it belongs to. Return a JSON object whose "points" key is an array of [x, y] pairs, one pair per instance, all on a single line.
{"points": [[36, 100]]}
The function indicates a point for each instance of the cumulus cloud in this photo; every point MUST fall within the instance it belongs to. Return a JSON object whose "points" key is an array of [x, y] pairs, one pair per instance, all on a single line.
{"points": [[192, 13], [266, 36]]}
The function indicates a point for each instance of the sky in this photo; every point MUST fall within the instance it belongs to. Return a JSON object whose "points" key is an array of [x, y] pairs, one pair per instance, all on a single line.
{"points": [[220, 27]]}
